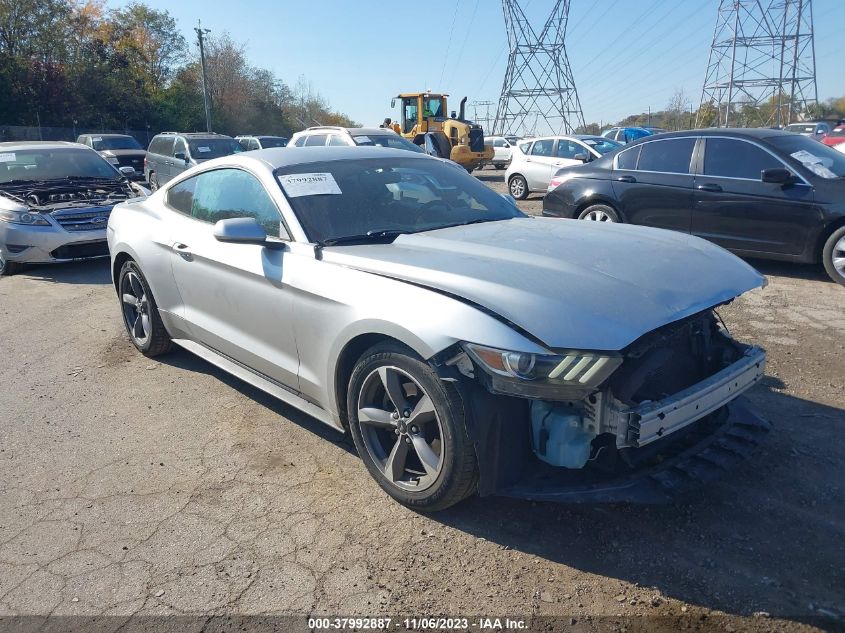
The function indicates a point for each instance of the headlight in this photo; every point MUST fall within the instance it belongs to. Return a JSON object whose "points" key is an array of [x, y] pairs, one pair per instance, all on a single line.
{"points": [[555, 376], [23, 217], [113, 160]]}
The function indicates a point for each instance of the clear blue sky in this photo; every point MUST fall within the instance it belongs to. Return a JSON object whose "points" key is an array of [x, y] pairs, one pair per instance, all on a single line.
{"points": [[358, 54]]}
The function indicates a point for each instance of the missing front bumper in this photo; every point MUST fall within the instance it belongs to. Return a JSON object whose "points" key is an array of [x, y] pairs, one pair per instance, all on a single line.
{"points": [[650, 422], [736, 431]]}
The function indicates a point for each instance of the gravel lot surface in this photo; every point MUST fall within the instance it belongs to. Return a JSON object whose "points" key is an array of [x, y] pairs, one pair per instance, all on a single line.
{"points": [[136, 486]]}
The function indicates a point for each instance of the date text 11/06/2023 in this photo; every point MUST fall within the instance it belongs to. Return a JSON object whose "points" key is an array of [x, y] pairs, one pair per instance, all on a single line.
{"points": [[417, 624]]}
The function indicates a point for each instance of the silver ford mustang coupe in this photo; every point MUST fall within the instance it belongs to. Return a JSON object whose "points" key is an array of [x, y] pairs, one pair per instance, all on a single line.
{"points": [[466, 347]]}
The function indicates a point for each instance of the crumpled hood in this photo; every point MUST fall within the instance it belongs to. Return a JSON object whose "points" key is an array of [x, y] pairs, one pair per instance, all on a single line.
{"points": [[569, 283]]}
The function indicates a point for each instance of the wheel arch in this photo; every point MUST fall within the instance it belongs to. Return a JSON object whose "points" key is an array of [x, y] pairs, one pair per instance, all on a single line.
{"points": [[119, 260], [349, 355], [597, 199], [824, 235]]}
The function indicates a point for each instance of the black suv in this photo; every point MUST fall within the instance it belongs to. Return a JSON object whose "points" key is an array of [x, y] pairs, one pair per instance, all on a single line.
{"points": [[171, 153], [757, 192], [121, 150]]}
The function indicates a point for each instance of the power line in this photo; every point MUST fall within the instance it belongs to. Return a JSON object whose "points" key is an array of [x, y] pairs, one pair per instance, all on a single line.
{"points": [[449, 45]]}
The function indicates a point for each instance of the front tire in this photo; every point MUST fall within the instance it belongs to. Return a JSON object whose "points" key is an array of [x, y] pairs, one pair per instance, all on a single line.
{"points": [[599, 213], [833, 256], [518, 187], [408, 428], [500, 166], [140, 312], [152, 180]]}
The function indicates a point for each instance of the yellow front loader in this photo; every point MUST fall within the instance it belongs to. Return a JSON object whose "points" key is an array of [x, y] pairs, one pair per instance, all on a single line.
{"points": [[424, 121]]}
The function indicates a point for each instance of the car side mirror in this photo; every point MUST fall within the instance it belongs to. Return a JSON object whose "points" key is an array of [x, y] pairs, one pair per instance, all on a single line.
{"points": [[777, 176], [240, 231], [180, 156], [582, 157]]}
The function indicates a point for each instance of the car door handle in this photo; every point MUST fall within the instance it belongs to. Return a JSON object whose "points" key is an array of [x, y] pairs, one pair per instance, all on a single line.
{"points": [[626, 179], [184, 251], [709, 186]]}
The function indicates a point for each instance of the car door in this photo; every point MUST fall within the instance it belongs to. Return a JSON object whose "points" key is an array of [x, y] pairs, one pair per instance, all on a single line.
{"points": [[652, 182], [566, 151], [737, 210], [538, 163], [176, 165], [235, 297], [160, 157]]}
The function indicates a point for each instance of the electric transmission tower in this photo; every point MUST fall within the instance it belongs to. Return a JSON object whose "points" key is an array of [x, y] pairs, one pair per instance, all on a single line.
{"points": [[538, 88], [762, 67], [482, 115]]}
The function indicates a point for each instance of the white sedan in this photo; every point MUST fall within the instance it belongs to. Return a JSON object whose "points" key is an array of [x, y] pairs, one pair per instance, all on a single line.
{"points": [[534, 161]]}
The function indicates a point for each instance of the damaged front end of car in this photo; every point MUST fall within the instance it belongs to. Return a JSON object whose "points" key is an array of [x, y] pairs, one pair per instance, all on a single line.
{"points": [[658, 418]]}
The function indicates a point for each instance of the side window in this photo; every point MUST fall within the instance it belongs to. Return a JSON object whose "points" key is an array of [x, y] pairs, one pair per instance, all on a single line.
{"points": [[181, 196], [628, 158], [162, 145], [180, 146], [543, 147], [337, 140], [568, 149], [524, 147], [300, 142], [232, 193], [670, 156], [252, 144], [732, 158], [500, 142], [315, 139]]}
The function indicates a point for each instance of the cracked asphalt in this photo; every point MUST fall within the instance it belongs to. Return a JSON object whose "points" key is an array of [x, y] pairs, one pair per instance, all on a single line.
{"points": [[136, 487]]}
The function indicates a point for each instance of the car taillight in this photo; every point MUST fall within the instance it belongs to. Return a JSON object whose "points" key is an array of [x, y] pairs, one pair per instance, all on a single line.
{"points": [[555, 182], [145, 161]]}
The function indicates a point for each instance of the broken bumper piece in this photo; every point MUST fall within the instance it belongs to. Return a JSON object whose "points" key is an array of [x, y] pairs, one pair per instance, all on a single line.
{"points": [[737, 430]]}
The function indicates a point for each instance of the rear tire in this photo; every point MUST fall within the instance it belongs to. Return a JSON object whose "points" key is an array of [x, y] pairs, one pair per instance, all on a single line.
{"points": [[599, 213], [833, 256], [518, 187], [140, 312], [152, 180], [500, 166], [416, 449]]}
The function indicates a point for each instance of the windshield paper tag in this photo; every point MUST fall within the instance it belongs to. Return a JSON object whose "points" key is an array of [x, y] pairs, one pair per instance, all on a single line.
{"points": [[203, 149], [296, 185], [363, 139], [7, 157]]}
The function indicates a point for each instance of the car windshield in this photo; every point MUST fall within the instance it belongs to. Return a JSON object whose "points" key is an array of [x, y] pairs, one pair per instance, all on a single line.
{"points": [[202, 149], [343, 198], [838, 131], [386, 140], [273, 141], [820, 159], [800, 128], [601, 145], [53, 164], [120, 142]]}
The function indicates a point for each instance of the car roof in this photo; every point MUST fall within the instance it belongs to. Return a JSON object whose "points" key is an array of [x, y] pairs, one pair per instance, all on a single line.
{"points": [[11, 146], [354, 131], [199, 135], [108, 135], [277, 157], [744, 132]]}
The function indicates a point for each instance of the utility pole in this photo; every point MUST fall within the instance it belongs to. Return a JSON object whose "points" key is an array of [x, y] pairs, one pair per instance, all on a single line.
{"points": [[200, 32]]}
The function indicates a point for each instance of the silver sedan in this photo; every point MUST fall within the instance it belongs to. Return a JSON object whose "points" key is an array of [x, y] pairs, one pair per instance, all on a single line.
{"points": [[466, 347]]}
